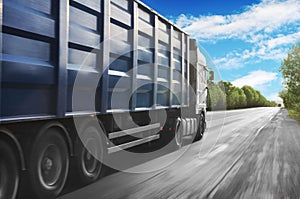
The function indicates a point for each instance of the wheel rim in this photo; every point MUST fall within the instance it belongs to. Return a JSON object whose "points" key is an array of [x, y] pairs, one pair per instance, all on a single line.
{"points": [[178, 133], [50, 166], [49, 162], [9, 176], [3, 179], [89, 163]]}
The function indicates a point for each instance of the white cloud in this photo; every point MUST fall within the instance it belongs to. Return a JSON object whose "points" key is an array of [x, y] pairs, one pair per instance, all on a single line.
{"points": [[267, 16], [230, 62], [256, 79], [258, 53], [283, 40], [265, 53], [271, 27]]}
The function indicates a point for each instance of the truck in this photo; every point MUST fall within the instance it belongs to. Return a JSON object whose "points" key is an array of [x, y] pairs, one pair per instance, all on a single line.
{"points": [[84, 79]]}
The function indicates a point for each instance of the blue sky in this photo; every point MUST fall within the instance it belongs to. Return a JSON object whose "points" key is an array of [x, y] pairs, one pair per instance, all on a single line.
{"points": [[247, 39]]}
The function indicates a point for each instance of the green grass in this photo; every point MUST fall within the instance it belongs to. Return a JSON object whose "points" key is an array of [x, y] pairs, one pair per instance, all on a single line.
{"points": [[294, 114]]}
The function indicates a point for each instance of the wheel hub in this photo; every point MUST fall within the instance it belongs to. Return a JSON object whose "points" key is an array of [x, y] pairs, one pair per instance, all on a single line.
{"points": [[50, 166], [88, 156], [90, 163], [47, 164], [89, 160]]}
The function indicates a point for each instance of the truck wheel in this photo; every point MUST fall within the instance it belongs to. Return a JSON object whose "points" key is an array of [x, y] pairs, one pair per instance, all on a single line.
{"points": [[203, 125], [178, 133], [9, 172], [201, 128], [49, 164], [91, 153]]}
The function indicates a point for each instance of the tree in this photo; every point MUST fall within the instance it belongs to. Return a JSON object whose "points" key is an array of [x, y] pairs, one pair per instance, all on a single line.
{"points": [[235, 97], [250, 95], [290, 69], [228, 87], [225, 94], [216, 97], [242, 99], [287, 98]]}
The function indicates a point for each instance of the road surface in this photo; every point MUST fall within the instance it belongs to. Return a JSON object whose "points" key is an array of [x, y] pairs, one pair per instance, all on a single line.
{"points": [[251, 153]]}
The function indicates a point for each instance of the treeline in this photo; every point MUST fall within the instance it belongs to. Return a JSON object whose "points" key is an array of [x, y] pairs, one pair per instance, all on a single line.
{"points": [[224, 95], [290, 69]]}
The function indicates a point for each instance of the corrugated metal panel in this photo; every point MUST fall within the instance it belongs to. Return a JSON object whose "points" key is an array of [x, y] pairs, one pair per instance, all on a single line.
{"points": [[178, 66], [28, 58], [27, 19], [95, 5], [84, 50], [121, 11], [47, 43], [145, 51], [11, 46], [121, 39], [183, 62], [187, 71]]}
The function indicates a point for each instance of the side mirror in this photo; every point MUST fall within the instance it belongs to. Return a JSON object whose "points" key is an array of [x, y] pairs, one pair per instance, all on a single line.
{"points": [[211, 75]]}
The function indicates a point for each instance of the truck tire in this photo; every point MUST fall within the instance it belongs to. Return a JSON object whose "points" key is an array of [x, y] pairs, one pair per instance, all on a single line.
{"points": [[49, 164], [9, 172], [201, 128], [178, 134], [91, 153]]}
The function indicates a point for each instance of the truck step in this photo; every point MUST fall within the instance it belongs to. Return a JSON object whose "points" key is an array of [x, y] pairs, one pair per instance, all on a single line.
{"points": [[134, 131], [132, 144]]}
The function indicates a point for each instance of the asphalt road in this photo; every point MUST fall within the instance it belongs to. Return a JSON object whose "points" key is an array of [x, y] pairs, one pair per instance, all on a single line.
{"points": [[251, 153]]}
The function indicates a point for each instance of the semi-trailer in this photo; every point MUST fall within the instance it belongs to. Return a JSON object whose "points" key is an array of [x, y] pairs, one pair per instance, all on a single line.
{"points": [[83, 79]]}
